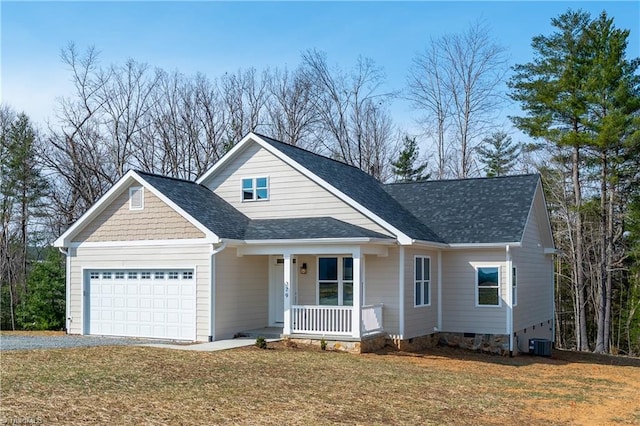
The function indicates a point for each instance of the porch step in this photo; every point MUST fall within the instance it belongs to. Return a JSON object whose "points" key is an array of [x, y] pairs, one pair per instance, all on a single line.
{"points": [[266, 332]]}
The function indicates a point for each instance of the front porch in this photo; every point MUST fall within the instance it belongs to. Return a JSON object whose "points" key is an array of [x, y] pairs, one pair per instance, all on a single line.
{"points": [[331, 322], [319, 291]]}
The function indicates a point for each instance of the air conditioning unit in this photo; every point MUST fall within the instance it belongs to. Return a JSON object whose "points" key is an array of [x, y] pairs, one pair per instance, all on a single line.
{"points": [[540, 347]]}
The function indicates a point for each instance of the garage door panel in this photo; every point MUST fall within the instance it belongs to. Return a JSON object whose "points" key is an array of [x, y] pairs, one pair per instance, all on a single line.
{"points": [[143, 303]]}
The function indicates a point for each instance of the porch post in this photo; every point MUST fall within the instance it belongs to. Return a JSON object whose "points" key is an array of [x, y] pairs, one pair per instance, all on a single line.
{"points": [[356, 326], [286, 330]]}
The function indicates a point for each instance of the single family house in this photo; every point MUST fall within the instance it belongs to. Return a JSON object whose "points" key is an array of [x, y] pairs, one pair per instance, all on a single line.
{"points": [[276, 236]]}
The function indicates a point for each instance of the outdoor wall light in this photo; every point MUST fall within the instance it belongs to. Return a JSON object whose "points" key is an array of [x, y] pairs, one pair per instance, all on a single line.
{"points": [[303, 269]]}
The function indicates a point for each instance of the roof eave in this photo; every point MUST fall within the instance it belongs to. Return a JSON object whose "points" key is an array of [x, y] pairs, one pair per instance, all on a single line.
{"points": [[430, 244], [458, 246], [352, 240]]}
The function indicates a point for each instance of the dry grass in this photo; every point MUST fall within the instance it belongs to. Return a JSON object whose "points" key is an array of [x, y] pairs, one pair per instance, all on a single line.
{"points": [[127, 385]]}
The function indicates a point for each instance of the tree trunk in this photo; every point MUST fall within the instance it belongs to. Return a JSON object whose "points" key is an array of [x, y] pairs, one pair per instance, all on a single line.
{"points": [[582, 341], [601, 305]]}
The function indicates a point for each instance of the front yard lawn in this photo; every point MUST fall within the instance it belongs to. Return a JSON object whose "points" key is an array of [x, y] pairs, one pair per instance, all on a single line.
{"points": [[129, 385]]}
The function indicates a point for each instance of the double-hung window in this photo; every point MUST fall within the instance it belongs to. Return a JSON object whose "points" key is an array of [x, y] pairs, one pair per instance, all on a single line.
{"points": [[335, 281], [488, 285], [422, 281], [255, 189]]}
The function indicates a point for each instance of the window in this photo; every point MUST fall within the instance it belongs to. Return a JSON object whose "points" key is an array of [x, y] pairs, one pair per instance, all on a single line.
{"points": [[145, 275], [106, 275], [255, 189], [132, 275], [159, 275], [422, 281], [119, 275], [514, 287], [173, 275], [136, 198], [488, 285], [187, 275], [335, 281], [94, 275]]}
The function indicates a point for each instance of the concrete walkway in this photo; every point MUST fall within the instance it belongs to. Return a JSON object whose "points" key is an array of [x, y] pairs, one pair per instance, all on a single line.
{"points": [[219, 345]]}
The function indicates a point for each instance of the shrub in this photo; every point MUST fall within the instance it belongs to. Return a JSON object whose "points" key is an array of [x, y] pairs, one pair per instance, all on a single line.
{"points": [[323, 344], [261, 342]]}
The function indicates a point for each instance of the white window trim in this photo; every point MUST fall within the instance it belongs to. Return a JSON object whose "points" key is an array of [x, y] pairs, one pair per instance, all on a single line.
{"points": [[475, 267], [254, 188], [340, 279], [423, 281], [132, 190], [514, 286]]}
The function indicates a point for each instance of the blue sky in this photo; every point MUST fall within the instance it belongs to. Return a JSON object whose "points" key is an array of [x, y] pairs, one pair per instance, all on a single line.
{"points": [[216, 37]]}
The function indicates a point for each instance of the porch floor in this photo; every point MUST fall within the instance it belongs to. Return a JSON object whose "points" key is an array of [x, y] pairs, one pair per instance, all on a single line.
{"points": [[266, 332]]}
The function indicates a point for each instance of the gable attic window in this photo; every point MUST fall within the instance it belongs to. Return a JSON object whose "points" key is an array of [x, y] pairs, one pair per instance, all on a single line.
{"points": [[136, 198], [255, 189]]}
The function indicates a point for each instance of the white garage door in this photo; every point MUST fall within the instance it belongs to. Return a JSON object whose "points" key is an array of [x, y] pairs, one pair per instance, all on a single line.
{"points": [[157, 303]]}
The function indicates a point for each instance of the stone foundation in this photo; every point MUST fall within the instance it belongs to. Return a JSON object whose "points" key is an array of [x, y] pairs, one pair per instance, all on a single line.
{"points": [[366, 345], [490, 343]]}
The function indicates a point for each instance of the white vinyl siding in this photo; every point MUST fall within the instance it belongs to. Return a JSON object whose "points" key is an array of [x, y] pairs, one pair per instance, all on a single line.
{"points": [[534, 277], [242, 293], [459, 311], [147, 259], [381, 286], [419, 321], [291, 194]]}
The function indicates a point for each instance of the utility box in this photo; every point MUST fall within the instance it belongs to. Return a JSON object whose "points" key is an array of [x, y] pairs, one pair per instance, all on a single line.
{"points": [[540, 347]]}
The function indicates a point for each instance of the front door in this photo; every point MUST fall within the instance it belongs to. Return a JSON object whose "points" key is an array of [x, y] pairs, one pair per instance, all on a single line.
{"points": [[276, 290]]}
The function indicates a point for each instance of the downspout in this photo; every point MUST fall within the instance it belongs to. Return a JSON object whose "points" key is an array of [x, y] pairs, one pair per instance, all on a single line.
{"points": [[67, 279], [509, 299], [439, 291], [212, 287], [401, 294]]}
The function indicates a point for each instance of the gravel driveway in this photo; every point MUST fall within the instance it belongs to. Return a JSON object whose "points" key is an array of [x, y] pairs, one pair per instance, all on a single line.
{"points": [[16, 342]]}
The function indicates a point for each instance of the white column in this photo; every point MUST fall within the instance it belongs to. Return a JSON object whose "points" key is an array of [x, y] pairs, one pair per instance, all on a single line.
{"points": [[288, 292], [356, 326]]}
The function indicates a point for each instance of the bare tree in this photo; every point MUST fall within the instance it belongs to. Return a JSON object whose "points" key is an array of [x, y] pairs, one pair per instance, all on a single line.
{"points": [[244, 96], [427, 90], [290, 108], [354, 125], [456, 82]]}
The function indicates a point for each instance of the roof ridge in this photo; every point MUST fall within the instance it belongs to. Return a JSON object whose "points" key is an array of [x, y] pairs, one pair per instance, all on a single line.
{"points": [[166, 177], [464, 179]]}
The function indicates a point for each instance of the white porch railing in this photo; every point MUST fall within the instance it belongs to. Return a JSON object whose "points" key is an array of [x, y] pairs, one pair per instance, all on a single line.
{"points": [[372, 319], [311, 319], [334, 320]]}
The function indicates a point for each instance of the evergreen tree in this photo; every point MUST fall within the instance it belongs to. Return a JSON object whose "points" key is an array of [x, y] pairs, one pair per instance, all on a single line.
{"points": [[498, 153], [405, 167], [43, 307]]}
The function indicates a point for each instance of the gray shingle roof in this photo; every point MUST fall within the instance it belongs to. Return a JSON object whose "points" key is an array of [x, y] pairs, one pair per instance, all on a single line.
{"points": [[306, 228], [202, 204], [359, 186], [226, 221], [485, 210]]}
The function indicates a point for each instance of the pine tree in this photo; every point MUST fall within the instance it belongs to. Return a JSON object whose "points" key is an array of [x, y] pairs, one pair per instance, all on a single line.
{"points": [[405, 167], [498, 153]]}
